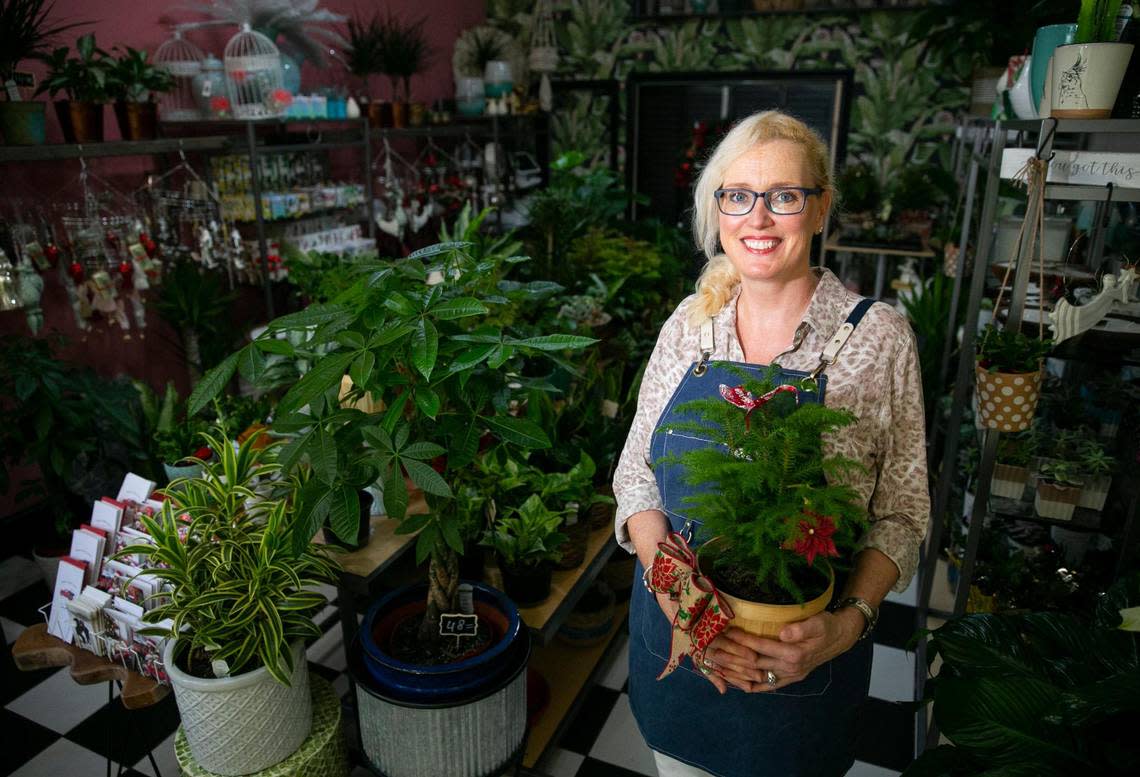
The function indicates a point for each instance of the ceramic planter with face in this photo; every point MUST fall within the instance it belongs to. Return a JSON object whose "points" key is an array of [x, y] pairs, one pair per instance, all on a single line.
{"points": [[1086, 79]]}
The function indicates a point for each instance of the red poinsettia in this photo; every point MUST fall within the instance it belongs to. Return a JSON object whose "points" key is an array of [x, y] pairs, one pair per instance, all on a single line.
{"points": [[815, 538]]}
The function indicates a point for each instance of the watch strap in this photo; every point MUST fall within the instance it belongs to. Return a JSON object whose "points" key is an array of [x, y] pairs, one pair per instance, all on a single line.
{"points": [[870, 614]]}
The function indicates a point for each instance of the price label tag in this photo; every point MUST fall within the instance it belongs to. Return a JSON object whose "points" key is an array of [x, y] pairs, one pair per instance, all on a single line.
{"points": [[458, 625]]}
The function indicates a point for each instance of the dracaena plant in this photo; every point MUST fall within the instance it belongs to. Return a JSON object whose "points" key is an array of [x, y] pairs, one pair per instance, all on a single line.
{"points": [[242, 589], [767, 487], [424, 339], [82, 78]]}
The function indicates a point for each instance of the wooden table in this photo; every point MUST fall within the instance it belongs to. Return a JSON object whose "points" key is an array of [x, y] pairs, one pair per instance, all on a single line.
{"points": [[36, 649]]}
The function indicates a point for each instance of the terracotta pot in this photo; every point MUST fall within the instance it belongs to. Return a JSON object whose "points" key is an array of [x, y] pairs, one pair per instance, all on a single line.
{"points": [[374, 118], [1007, 401], [766, 620], [137, 121], [82, 122], [399, 114]]}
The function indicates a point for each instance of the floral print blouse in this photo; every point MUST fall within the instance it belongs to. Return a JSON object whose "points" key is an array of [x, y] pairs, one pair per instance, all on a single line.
{"points": [[876, 377]]}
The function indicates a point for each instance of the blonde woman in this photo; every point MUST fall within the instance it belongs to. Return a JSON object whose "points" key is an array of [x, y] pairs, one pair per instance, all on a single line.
{"points": [[781, 706]]}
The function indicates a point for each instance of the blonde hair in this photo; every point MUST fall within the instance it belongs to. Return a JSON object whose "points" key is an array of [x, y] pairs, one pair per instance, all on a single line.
{"points": [[719, 277]]}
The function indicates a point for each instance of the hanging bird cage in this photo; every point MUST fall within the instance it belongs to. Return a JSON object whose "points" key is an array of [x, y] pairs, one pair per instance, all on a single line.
{"points": [[254, 76], [183, 60], [543, 51]]}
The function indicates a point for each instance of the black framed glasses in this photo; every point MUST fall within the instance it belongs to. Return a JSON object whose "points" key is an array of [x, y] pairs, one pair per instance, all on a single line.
{"points": [[785, 201]]}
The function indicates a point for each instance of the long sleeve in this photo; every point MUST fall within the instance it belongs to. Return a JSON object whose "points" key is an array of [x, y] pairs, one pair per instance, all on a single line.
{"points": [[900, 503], [635, 487]]}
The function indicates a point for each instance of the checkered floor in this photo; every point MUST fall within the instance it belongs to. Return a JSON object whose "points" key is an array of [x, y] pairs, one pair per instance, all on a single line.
{"points": [[52, 726]]}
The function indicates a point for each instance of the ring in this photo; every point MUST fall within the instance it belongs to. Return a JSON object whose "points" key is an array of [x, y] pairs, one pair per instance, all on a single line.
{"points": [[705, 669], [770, 678]]}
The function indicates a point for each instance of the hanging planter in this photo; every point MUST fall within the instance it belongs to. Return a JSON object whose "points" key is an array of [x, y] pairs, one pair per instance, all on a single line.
{"points": [[1007, 401]]}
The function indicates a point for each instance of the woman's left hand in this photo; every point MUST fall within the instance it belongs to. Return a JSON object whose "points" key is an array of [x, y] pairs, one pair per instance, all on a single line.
{"points": [[745, 660]]}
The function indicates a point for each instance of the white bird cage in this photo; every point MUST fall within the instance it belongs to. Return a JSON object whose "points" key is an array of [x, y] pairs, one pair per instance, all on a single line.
{"points": [[183, 60], [254, 76], [544, 52]]}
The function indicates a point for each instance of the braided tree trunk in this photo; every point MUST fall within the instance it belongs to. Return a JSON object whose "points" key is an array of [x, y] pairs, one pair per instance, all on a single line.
{"points": [[443, 583]]}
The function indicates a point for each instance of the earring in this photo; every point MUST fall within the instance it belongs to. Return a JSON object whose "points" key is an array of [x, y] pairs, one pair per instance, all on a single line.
{"points": [[820, 230]]}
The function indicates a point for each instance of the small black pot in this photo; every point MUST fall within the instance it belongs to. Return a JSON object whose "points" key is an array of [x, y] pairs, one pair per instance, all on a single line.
{"points": [[363, 532], [527, 585]]}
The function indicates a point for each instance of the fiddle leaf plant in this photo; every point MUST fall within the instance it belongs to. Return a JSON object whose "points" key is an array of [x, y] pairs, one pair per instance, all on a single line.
{"points": [[427, 345]]}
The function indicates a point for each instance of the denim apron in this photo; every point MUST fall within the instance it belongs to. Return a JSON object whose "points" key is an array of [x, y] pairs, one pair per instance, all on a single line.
{"points": [[806, 729]]}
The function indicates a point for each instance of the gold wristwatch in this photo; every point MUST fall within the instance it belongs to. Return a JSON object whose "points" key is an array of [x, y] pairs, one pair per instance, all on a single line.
{"points": [[870, 614]]}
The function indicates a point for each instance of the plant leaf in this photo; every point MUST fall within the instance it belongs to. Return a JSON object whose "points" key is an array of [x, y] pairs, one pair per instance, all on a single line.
{"points": [[439, 248], [425, 347], [519, 431], [426, 478], [344, 513], [212, 384], [555, 342], [327, 374], [361, 369], [428, 401], [395, 494], [460, 307], [422, 450], [323, 456]]}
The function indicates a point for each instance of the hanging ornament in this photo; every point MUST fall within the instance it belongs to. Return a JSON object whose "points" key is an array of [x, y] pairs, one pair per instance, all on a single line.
{"points": [[126, 271], [8, 298], [51, 253], [30, 288], [75, 270]]}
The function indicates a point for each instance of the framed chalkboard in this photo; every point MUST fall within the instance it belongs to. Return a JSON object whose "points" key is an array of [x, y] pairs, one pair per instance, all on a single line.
{"points": [[664, 108]]}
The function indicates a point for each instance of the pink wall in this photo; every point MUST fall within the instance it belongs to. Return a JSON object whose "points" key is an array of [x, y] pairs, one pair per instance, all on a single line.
{"points": [[145, 23]]}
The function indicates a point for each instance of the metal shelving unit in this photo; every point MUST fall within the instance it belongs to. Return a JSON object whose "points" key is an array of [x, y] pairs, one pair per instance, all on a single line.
{"points": [[1017, 134]]}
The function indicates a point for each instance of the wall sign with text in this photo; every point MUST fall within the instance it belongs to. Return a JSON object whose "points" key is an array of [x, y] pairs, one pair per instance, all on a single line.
{"points": [[1092, 168]]}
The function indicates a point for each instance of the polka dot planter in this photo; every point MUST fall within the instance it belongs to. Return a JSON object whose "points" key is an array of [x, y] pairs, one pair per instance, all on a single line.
{"points": [[1007, 401]]}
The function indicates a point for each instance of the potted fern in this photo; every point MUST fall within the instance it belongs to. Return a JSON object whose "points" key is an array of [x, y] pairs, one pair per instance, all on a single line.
{"points": [[1009, 369], [241, 605], [772, 507], [1095, 467], [1087, 73]]}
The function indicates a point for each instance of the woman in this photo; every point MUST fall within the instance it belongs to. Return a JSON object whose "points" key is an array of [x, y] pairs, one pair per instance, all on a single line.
{"points": [[782, 706]]}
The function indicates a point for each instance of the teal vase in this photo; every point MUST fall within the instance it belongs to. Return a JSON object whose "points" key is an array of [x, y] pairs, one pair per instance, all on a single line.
{"points": [[1044, 42]]}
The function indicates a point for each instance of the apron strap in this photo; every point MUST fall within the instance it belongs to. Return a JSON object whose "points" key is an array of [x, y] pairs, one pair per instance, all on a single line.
{"points": [[839, 339], [708, 345]]}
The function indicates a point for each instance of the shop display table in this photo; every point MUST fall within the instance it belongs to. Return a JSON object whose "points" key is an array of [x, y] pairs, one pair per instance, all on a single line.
{"points": [[323, 754], [36, 649]]}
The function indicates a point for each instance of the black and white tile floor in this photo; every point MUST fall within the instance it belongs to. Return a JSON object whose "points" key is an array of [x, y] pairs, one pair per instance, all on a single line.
{"points": [[52, 727]]}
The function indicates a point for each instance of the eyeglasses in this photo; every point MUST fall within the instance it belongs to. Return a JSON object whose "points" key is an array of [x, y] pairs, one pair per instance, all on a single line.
{"points": [[785, 201]]}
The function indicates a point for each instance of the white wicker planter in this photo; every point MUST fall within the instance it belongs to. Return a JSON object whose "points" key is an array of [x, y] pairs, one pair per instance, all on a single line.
{"points": [[1095, 492], [1056, 502], [243, 724], [1009, 481]]}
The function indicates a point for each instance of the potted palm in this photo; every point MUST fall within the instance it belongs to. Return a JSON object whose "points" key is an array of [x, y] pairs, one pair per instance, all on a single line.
{"points": [[241, 605], [24, 34], [83, 79], [1008, 370], [362, 57], [403, 52], [767, 503], [527, 543], [1087, 73], [430, 340], [135, 84]]}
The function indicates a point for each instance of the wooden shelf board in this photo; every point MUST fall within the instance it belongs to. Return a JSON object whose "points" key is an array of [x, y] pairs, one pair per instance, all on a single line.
{"points": [[568, 670], [566, 587], [920, 253]]}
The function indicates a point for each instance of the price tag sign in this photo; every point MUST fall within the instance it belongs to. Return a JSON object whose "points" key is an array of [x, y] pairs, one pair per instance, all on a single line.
{"points": [[458, 625]]}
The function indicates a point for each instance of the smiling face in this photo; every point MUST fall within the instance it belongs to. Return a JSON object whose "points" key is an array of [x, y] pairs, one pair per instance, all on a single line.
{"points": [[761, 245]]}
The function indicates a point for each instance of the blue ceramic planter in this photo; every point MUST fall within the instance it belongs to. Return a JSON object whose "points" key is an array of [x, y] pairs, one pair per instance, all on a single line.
{"points": [[417, 684]]}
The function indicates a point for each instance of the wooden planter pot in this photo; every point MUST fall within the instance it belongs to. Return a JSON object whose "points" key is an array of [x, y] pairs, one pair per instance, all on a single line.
{"points": [[1007, 401], [1055, 501], [766, 620]]}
